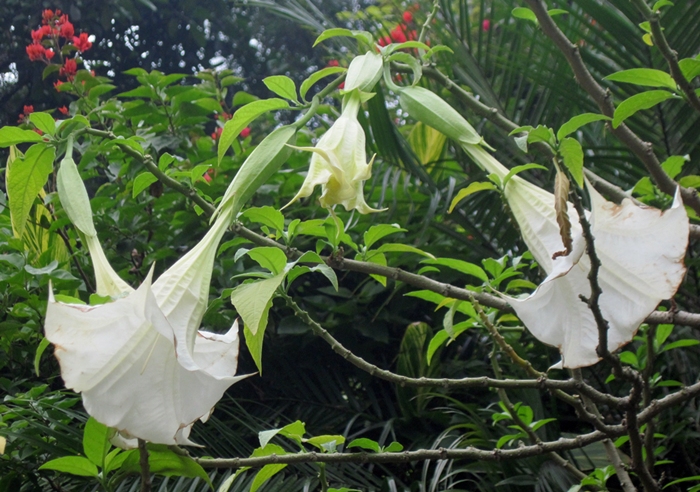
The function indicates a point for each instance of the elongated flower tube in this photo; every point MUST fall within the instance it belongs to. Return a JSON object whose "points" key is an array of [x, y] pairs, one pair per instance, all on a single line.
{"points": [[339, 162], [641, 250], [140, 362]]}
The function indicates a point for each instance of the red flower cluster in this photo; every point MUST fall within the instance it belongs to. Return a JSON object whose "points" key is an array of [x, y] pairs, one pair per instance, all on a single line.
{"points": [[401, 33], [25, 114], [46, 42]]}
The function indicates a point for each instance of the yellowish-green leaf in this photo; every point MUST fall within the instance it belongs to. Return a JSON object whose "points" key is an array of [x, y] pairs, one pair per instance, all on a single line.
{"points": [[470, 190]]}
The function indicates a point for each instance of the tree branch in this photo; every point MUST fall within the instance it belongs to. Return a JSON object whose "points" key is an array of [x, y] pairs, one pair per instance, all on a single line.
{"points": [[643, 150], [468, 453]]}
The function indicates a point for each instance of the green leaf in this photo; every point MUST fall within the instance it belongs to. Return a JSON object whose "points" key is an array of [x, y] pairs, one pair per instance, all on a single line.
{"points": [[364, 443], [116, 458], [43, 345], [680, 344], [268, 216], [269, 257], [163, 461], [692, 181], [96, 441], [316, 76], [362, 36], [252, 301], [44, 122], [572, 155], [648, 77], [674, 165], [326, 443], [75, 465], [461, 266], [541, 134], [638, 102], [662, 334], [524, 13], [470, 190], [283, 86], [265, 473], [377, 232], [142, 181], [690, 68], [242, 118], [394, 447], [577, 122], [520, 169], [629, 358], [11, 135], [101, 89], [25, 177], [661, 3], [401, 248], [553, 12]]}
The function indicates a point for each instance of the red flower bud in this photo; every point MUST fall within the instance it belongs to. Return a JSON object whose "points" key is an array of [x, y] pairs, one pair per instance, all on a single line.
{"points": [[28, 110], [245, 132], [63, 110], [407, 17], [217, 133], [35, 51], [486, 25], [385, 41], [333, 63], [57, 84], [49, 54], [47, 16], [398, 34]]}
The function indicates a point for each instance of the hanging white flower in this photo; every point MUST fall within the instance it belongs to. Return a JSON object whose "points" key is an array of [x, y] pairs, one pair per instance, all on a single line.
{"points": [[140, 362], [339, 162]]}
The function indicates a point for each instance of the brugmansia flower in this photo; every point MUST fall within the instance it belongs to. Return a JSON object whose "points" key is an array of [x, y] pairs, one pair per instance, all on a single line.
{"points": [[139, 361], [641, 251], [339, 163]]}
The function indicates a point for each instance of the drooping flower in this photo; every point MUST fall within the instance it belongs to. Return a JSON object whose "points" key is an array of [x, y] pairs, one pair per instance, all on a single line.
{"points": [[641, 250], [339, 163], [140, 362]]}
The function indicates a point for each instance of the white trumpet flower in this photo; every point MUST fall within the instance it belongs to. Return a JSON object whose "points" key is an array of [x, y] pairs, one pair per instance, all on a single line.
{"points": [[140, 362], [641, 250], [339, 163]]}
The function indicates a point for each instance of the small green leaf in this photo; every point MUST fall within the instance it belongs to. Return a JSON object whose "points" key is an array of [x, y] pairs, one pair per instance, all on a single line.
{"points": [[692, 181], [461, 266], [402, 248], [470, 190], [43, 345], [377, 232], [96, 441], [362, 36], [364, 443], [674, 165], [321, 441], [265, 473], [680, 344], [541, 134], [644, 76], [316, 76], [524, 13], [629, 358], [394, 447], [283, 86], [553, 12], [690, 68], [268, 216], [577, 122], [662, 334], [11, 135], [25, 177], [44, 122], [661, 3], [75, 465], [572, 156], [269, 257], [638, 102], [242, 118], [519, 169], [163, 461], [142, 181]]}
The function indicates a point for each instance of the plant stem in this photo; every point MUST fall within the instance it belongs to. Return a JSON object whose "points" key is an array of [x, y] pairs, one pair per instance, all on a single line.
{"points": [[145, 469]]}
